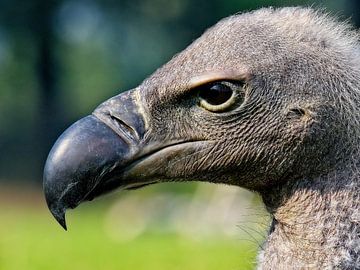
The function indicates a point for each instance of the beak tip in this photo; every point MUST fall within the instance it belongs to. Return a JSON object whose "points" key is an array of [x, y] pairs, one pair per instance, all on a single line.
{"points": [[59, 215], [63, 224]]}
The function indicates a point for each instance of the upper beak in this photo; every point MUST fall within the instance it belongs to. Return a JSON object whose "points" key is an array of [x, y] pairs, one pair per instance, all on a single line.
{"points": [[87, 159]]}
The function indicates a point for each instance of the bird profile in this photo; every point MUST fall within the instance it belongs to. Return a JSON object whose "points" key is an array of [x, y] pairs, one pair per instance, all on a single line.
{"points": [[267, 100]]}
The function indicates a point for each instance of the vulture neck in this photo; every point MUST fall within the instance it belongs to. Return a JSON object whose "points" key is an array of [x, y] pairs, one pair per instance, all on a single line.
{"points": [[316, 223]]}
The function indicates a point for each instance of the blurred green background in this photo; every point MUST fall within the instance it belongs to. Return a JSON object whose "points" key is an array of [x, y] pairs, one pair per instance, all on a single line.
{"points": [[58, 60]]}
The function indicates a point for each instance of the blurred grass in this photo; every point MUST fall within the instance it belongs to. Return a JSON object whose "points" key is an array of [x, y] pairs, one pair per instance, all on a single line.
{"points": [[30, 239]]}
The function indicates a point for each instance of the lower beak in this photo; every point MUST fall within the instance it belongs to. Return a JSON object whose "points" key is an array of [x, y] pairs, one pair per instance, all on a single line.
{"points": [[88, 157]]}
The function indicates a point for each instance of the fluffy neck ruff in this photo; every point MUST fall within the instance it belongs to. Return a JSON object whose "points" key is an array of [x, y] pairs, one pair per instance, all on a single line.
{"points": [[316, 224]]}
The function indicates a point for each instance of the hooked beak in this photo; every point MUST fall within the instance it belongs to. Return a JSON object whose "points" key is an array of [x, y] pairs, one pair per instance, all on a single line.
{"points": [[109, 150], [88, 158]]}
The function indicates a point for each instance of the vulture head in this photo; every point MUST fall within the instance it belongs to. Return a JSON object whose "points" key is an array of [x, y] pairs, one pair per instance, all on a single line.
{"points": [[261, 100]]}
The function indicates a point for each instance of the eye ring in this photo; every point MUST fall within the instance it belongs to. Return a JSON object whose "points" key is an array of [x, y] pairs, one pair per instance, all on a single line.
{"points": [[218, 96]]}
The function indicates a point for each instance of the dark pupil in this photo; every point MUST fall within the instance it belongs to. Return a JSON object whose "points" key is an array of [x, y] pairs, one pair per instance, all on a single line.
{"points": [[216, 94]]}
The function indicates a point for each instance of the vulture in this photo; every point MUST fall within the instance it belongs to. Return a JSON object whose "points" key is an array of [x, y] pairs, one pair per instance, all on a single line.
{"points": [[267, 100]]}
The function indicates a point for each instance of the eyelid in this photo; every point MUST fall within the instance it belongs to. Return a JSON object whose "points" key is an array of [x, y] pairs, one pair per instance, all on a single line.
{"points": [[228, 83], [218, 76]]}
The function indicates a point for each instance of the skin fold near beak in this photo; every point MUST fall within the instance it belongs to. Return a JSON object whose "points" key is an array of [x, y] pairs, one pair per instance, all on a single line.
{"points": [[88, 158]]}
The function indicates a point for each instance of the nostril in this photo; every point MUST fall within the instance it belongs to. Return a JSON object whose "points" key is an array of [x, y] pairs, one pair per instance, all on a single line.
{"points": [[122, 125], [122, 114]]}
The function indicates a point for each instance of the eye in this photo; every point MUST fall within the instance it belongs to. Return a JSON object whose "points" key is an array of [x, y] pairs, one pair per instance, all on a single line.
{"points": [[218, 96]]}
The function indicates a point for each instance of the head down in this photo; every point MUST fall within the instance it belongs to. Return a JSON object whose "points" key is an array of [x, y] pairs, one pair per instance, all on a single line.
{"points": [[259, 100]]}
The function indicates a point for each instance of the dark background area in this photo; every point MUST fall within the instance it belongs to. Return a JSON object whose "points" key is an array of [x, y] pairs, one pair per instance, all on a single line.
{"points": [[59, 59]]}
